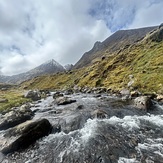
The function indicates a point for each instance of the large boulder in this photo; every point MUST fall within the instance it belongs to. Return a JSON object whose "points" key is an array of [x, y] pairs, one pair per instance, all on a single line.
{"points": [[34, 95], [25, 134], [64, 101], [143, 103], [15, 117]]}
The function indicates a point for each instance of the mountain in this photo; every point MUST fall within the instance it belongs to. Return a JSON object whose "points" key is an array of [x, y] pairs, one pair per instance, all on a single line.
{"points": [[117, 41], [49, 67], [135, 65], [68, 67]]}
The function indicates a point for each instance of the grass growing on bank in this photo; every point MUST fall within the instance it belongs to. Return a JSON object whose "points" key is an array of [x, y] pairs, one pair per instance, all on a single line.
{"points": [[14, 98]]}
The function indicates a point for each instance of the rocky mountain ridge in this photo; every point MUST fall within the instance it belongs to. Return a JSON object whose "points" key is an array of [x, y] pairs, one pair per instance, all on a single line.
{"points": [[118, 40]]}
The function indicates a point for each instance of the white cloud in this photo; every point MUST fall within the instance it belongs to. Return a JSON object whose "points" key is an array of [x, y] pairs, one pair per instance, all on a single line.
{"points": [[150, 15], [32, 32]]}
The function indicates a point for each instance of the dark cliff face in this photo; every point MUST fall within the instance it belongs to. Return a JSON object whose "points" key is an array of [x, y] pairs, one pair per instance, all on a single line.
{"points": [[48, 67], [113, 43]]}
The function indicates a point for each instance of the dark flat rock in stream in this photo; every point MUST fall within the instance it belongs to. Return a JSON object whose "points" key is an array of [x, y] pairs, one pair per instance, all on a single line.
{"points": [[25, 134]]}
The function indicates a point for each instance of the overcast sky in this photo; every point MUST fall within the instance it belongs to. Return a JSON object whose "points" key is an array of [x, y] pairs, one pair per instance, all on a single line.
{"points": [[34, 31]]}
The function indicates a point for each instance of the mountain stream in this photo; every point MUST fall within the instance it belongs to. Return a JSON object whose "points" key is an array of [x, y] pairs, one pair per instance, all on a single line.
{"points": [[126, 135]]}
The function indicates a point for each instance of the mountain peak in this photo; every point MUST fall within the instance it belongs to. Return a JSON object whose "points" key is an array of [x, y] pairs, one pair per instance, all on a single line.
{"points": [[52, 62], [49, 67]]}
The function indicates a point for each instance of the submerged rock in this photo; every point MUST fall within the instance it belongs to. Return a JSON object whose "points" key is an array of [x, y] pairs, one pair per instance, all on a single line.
{"points": [[99, 114], [25, 134]]}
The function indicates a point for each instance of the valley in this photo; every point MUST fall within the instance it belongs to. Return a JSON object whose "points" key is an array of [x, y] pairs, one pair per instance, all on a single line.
{"points": [[107, 108]]}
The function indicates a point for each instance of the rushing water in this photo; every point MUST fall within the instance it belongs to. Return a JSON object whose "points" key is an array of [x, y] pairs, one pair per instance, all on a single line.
{"points": [[126, 136]]}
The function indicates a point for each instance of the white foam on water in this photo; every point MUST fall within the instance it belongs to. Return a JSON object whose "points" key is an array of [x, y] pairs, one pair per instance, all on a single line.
{"points": [[127, 160], [88, 130], [62, 153], [134, 122], [128, 122], [51, 137], [154, 119]]}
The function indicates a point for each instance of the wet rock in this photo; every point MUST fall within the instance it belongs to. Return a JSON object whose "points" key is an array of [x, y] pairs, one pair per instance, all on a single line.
{"points": [[25, 134], [89, 91], [101, 114], [34, 95], [69, 92], [84, 90], [56, 129], [125, 93], [98, 95], [15, 117], [74, 122], [57, 94], [159, 98], [99, 90], [80, 107], [55, 112], [44, 110], [64, 101], [143, 103], [135, 94], [77, 89], [4, 100], [25, 107], [45, 91]]}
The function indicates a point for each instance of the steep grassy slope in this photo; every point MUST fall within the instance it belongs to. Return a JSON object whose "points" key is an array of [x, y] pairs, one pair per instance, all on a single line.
{"points": [[143, 60], [113, 43]]}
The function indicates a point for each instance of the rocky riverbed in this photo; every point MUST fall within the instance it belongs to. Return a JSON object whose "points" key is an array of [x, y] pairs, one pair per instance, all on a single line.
{"points": [[92, 128]]}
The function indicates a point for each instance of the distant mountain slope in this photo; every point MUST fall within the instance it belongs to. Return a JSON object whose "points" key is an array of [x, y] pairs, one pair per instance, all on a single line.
{"points": [[118, 40], [142, 61], [48, 67]]}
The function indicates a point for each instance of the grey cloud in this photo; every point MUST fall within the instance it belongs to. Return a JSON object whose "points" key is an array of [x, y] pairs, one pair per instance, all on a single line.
{"points": [[32, 32]]}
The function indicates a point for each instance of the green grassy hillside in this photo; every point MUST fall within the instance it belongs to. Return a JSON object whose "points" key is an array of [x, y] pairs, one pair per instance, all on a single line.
{"points": [[14, 97], [143, 60]]}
